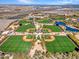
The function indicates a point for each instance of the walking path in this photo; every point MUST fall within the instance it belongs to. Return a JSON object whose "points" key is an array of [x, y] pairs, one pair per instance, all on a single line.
{"points": [[26, 33], [37, 47]]}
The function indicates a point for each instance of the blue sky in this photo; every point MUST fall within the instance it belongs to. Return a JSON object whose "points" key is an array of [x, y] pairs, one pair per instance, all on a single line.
{"points": [[50, 2]]}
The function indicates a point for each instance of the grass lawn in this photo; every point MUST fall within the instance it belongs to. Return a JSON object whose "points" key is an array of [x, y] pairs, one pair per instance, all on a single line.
{"points": [[59, 18], [23, 22], [53, 28], [47, 36], [44, 21], [45, 31], [23, 28], [29, 36], [15, 44], [60, 44]]}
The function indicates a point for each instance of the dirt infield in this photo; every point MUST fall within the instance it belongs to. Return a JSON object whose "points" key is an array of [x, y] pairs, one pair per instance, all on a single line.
{"points": [[49, 30], [52, 38], [27, 40], [24, 38], [28, 30]]}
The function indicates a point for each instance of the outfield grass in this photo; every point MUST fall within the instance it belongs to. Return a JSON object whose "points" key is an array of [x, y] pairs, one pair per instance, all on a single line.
{"points": [[47, 36], [60, 44], [23, 28], [15, 44], [29, 36], [53, 28], [23, 22], [59, 18], [44, 21], [45, 31]]}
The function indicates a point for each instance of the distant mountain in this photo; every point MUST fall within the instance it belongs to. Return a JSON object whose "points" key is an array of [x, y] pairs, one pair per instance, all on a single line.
{"points": [[63, 6], [70, 6]]}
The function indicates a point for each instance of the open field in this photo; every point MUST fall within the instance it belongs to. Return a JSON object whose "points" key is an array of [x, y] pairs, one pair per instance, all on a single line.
{"points": [[23, 28], [44, 21], [15, 44], [53, 28], [60, 44], [23, 22], [5, 23], [29, 37], [59, 18]]}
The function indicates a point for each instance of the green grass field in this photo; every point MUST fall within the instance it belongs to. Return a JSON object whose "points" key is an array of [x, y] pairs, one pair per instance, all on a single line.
{"points": [[15, 44], [45, 31], [60, 44], [23, 28], [29, 37], [23, 22], [59, 18], [44, 21], [53, 28]]}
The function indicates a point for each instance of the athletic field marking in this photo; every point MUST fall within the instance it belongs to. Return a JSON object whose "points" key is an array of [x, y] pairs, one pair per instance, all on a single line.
{"points": [[5, 40]]}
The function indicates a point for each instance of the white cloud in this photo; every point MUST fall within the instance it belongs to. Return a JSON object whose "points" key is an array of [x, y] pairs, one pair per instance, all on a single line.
{"points": [[68, 1], [25, 1], [60, 2], [64, 2]]}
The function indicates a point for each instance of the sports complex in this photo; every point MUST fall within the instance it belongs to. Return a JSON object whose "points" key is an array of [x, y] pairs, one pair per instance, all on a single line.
{"points": [[54, 38]]}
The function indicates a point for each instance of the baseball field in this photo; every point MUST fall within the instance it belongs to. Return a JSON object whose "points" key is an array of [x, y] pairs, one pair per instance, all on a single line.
{"points": [[16, 44]]}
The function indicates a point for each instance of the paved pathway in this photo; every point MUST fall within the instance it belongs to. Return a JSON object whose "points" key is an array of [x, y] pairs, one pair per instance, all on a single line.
{"points": [[26, 33], [37, 47]]}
